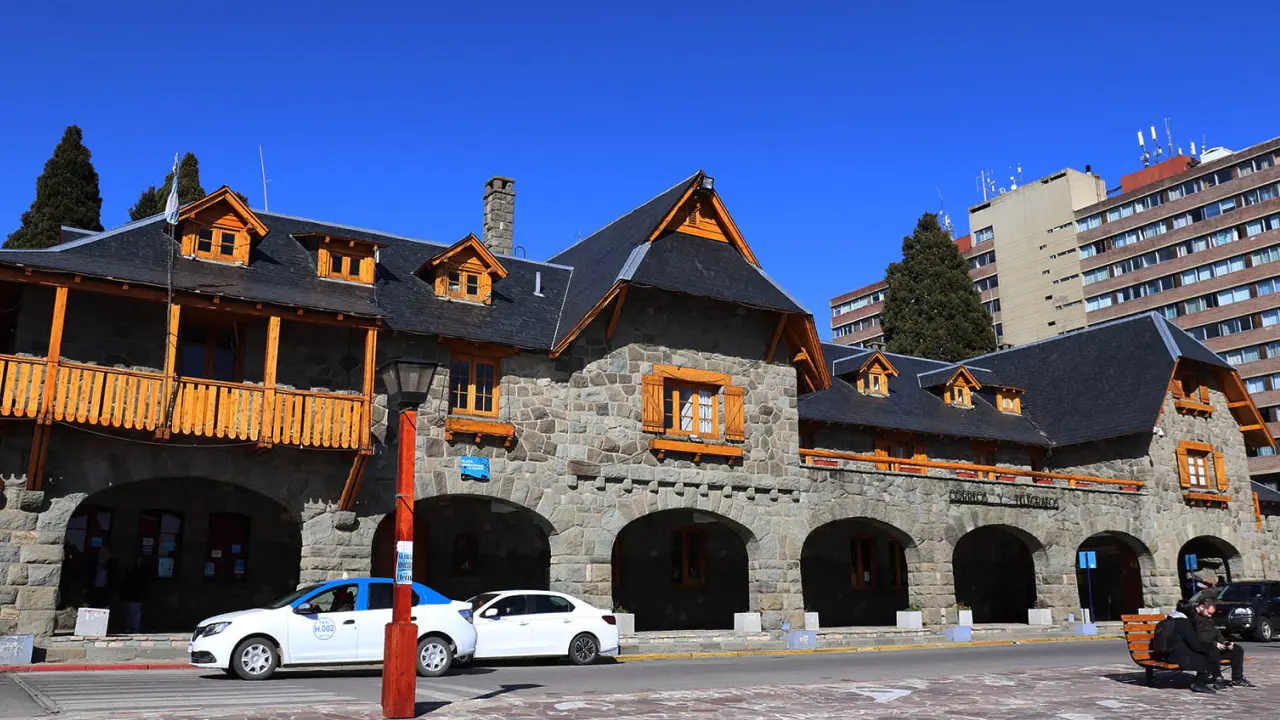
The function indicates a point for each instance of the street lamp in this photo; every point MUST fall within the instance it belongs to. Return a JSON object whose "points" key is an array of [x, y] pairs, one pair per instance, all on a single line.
{"points": [[407, 381]]}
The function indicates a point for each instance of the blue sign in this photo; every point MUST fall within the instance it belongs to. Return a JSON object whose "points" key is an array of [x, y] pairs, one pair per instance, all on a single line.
{"points": [[476, 468], [324, 628], [1089, 560], [1192, 563]]}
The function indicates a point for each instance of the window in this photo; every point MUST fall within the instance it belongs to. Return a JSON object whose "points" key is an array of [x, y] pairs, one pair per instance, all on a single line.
{"points": [[1200, 467], [984, 259], [346, 265], [341, 598], [1270, 318], [1009, 402], [862, 558], [1097, 275], [1098, 303], [875, 383], [689, 401], [381, 596], [224, 244], [1256, 164], [210, 351], [1255, 385], [1261, 194], [545, 604], [987, 283], [511, 605], [1266, 255], [1089, 223], [160, 536], [473, 385], [986, 234], [900, 447], [226, 556], [688, 549], [1233, 295], [958, 395], [691, 410], [857, 303]]}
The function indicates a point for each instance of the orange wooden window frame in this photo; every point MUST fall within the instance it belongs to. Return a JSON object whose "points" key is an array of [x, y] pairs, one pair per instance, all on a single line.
{"points": [[1189, 451], [671, 420], [454, 280], [471, 395], [958, 396], [874, 382], [1007, 402], [239, 250], [864, 576], [663, 385], [352, 266], [690, 536]]}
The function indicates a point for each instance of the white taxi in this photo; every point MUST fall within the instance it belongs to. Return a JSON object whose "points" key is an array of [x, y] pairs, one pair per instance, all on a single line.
{"points": [[537, 623], [336, 622]]}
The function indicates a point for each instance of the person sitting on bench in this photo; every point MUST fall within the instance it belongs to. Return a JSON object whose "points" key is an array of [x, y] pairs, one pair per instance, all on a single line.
{"points": [[1184, 648], [1216, 646]]}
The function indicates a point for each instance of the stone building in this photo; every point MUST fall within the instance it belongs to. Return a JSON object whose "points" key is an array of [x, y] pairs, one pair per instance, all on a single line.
{"points": [[662, 430]]}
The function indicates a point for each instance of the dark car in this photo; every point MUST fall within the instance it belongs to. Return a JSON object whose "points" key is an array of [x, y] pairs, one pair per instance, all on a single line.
{"points": [[1249, 608]]}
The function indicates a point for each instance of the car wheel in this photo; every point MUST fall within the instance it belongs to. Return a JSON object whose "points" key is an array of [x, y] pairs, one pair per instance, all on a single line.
{"points": [[434, 657], [1262, 630], [255, 659], [584, 649]]}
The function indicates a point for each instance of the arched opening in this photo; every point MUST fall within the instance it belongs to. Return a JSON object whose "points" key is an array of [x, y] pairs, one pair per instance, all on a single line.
{"points": [[1116, 582], [1205, 562], [854, 572], [165, 553], [995, 573], [464, 545], [681, 570]]}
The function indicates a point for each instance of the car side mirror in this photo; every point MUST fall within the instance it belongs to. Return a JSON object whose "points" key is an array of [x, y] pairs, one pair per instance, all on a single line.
{"points": [[305, 609], [490, 614]]}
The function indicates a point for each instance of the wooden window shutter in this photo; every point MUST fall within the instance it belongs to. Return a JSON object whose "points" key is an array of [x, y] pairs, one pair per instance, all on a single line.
{"points": [[1183, 477], [734, 421], [1220, 470], [651, 403], [1204, 394], [1175, 387], [882, 450]]}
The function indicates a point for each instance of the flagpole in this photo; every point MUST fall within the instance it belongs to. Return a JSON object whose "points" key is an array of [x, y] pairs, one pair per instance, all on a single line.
{"points": [[171, 350]]}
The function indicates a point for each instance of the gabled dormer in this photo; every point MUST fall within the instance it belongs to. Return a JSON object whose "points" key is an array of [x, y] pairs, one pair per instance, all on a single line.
{"points": [[873, 376], [219, 227], [464, 271], [958, 392], [701, 213], [342, 258], [1008, 399]]}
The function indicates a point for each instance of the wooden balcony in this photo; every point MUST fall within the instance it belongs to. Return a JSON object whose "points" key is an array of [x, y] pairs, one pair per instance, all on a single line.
{"points": [[136, 400]]}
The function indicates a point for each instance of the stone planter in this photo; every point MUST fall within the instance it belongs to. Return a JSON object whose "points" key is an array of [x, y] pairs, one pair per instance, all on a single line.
{"points": [[811, 621], [1040, 616], [965, 619], [626, 624], [910, 619], [958, 633], [746, 622]]}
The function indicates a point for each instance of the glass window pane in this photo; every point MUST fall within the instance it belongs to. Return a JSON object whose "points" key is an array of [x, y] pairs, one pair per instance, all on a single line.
{"points": [[706, 412], [473, 284], [228, 243], [485, 373], [459, 380], [455, 283], [686, 409]]}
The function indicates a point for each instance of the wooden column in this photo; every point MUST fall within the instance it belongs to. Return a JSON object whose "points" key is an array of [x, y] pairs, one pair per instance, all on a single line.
{"points": [[40, 439], [170, 364], [267, 433], [370, 362]]}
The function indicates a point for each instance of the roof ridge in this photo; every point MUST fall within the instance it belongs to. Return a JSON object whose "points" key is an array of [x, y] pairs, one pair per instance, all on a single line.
{"points": [[626, 214], [1169, 343], [91, 238], [1072, 333]]}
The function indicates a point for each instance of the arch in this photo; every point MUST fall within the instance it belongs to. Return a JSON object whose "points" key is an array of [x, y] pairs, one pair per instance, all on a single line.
{"points": [[994, 568], [1205, 561], [682, 569], [177, 549], [1114, 587], [853, 571], [464, 545]]}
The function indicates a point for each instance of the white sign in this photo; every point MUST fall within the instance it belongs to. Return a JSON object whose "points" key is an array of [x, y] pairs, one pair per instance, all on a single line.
{"points": [[404, 562]]}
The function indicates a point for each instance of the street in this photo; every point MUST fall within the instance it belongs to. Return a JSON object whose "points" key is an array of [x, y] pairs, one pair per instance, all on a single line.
{"points": [[1076, 680]]}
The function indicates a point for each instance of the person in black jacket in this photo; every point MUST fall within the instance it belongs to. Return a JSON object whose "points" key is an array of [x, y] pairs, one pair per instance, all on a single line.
{"points": [[1188, 652], [1216, 646]]}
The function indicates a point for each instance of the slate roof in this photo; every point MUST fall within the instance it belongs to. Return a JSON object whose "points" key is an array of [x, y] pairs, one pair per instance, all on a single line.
{"points": [[1102, 382], [1266, 494]]}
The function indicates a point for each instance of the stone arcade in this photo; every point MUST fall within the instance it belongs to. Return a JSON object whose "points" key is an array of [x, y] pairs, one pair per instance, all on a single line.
{"points": [[664, 432]]}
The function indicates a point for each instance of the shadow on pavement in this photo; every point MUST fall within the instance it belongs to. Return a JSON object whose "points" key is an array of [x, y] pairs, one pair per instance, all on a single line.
{"points": [[426, 708], [311, 673], [1162, 679]]}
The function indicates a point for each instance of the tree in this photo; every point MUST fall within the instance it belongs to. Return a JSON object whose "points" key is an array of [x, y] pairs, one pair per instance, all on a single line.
{"points": [[152, 200], [931, 309], [66, 194]]}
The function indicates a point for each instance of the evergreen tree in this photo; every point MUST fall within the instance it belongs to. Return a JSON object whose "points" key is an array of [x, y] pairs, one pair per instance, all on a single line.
{"points": [[66, 194], [152, 200], [931, 308]]}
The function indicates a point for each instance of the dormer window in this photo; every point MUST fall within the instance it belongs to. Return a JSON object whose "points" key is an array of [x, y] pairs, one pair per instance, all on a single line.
{"points": [[1009, 401], [873, 376], [960, 388], [344, 259], [1190, 394], [465, 271], [220, 228], [219, 243]]}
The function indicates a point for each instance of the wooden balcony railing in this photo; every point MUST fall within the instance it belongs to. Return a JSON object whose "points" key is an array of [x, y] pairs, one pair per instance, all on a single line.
{"points": [[135, 400]]}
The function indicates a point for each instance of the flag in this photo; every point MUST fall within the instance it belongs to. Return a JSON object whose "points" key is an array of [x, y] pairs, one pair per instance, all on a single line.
{"points": [[171, 206]]}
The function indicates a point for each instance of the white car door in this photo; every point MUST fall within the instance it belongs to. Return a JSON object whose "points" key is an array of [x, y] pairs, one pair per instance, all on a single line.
{"points": [[552, 624], [377, 615], [331, 632], [502, 627]]}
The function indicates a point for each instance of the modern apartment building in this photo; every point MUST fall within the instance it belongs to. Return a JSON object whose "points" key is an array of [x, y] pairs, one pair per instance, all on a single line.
{"points": [[1198, 242]]}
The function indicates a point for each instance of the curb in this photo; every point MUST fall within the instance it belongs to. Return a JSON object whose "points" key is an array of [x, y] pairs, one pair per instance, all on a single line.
{"points": [[69, 667], [861, 649]]}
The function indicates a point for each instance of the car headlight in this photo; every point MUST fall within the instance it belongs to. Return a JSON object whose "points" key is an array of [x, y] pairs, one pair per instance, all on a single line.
{"points": [[1242, 611], [215, 628]]}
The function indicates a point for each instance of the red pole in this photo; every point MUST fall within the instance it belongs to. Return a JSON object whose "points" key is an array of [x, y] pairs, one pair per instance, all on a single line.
{"points": [[399, 665]]}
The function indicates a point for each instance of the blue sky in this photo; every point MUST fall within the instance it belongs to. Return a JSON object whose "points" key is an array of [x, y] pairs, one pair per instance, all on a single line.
{"points": [[829, 127]]}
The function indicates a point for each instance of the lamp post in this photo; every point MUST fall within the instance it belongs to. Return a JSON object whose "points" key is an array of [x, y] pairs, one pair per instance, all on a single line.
{"points": [[407, 381]]}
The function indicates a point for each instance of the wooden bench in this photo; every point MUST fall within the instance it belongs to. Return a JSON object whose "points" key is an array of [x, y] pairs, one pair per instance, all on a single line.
{"points": [[1138, 633]]}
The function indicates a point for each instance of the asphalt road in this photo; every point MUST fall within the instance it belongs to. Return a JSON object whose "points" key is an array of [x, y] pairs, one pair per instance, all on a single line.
{"points": [[156, 691]]}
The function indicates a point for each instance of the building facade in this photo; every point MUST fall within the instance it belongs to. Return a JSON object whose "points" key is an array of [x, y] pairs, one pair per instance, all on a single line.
{"points": [[657, 425]]}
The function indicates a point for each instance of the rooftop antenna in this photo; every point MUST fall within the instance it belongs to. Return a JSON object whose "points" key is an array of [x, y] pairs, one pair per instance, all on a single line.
{"points": [[1146, 156], [1193, 150], [1168, 137], [943, 218], [263, 164], [1155, 140]]}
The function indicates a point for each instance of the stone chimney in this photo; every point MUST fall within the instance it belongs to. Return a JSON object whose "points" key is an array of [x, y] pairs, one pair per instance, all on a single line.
{"points": [[499, 215]]}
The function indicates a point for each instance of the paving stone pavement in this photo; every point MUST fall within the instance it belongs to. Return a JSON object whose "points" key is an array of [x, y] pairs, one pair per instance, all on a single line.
{"points": [[1095, 693]]}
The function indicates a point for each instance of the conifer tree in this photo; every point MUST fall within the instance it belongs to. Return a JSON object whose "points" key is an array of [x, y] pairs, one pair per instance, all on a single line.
{"points": [[66, 194], [152, 200], [931, 309]]}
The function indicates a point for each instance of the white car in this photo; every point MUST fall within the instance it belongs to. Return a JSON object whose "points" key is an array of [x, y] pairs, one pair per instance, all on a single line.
{"points": [[336, 622], [536, 623]]}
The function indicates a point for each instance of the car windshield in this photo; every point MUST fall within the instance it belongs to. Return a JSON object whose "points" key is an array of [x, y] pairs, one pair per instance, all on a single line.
{"points": [[291, 597], [481, 600], [1212, 592], [1242, 591]]}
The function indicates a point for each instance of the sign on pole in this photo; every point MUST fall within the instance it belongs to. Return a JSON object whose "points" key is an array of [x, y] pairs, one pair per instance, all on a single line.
{"points": [[404, 562], [1192, 563], [1088, 560]]}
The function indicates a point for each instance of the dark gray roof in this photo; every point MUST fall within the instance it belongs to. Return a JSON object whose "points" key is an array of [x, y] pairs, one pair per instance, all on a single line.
{"points": [[708, 268], [1266, 494], [942, 375], [67, 234]]}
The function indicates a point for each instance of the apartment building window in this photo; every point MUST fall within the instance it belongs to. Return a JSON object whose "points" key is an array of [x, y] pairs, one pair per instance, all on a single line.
{"points": [[1222, 207], [1191, 187], [1126, 239], [985, 258], [1097, 303], [1265, 255], [1256, 164], [992, 306], [1266, 287], [1261, 225], [1270, 318], [1089, 223], [987, 283], [842, 330], [986, 234], [1134, 207], [857, 303], [1241, 356], [999, 330], [1181, 220], [1261, 451], [1093, 248], [1255, 385], [1234, 295], [1261, 194], [1097, 275], [1169, 311]]}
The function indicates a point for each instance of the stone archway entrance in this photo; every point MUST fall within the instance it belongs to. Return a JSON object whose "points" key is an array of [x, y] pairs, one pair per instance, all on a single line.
{"points": [[185, 548], [854, 572], [1117, 581], [1214, 561], [995, 573], [465, 545], [681, 570]]}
